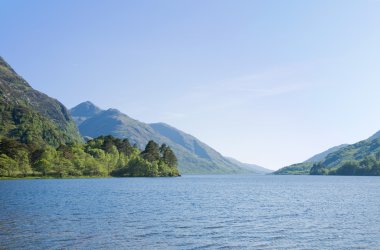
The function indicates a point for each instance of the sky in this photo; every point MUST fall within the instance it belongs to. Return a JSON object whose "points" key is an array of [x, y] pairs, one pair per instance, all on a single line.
{"points": [[266, 82]]}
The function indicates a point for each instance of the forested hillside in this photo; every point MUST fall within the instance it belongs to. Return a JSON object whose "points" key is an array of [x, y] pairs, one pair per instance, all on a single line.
{"points": [[38, 138], [30, 116]]}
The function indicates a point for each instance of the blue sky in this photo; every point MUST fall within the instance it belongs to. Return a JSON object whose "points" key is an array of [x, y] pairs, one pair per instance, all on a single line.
{"points": [[266, 82]]}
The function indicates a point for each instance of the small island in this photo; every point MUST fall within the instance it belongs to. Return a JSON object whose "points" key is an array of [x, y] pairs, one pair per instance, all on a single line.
{"points": [[100, 157]]}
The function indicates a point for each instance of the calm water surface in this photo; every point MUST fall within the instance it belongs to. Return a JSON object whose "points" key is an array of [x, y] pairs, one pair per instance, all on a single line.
{"points": [[192, 212]]}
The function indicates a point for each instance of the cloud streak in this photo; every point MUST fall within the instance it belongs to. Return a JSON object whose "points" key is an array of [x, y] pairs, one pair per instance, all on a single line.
{"points": [[241, 92]]}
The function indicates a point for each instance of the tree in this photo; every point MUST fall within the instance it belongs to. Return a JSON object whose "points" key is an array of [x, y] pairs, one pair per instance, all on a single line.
{"points": [[151, 152], [112, 159], [7, 165], [23, 162], [168, 156], [318, 169], [44, 164], [121, 162], [375, 169], [123, 146], [62, 166], [108, 143], [349, 168]]}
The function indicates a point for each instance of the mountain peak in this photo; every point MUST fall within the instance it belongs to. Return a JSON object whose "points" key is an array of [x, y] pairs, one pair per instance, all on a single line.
{"points": [[113, 111], [85, 109]]}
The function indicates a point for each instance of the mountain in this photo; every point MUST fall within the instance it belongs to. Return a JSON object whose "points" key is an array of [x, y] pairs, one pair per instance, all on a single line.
{"points": [[30, 116], [194, 146], [84, 111], [295, 169], [323, 155], [251, 167], [357, 152], [304, 167], [193, 155], [337, 156], [375, 136]]}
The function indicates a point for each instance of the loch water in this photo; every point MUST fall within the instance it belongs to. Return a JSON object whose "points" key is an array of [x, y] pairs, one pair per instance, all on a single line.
{"points": [[192, 212]]}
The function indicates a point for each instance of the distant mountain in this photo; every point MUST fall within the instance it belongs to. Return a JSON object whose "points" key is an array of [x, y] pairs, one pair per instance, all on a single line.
{"points": [[323, 155], [30, 116], [337, 156], [375, 136], [84, 111], [252, 167], [357, 151], [295, 169], [113, 122], [193, 155], [304, 167]]}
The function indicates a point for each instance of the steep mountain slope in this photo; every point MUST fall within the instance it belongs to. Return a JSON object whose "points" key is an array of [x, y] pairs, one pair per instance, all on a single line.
{"points": [[31, 116], [193, 155], [357, 151], [322, 156], [203, 152], [338, 156], [252, 167], [113, 122], [304, 167], [375, 136]]}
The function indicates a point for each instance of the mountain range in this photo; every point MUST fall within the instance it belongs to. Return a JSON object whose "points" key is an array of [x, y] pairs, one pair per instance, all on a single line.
{"points": [[194, 156], [33, 118]]}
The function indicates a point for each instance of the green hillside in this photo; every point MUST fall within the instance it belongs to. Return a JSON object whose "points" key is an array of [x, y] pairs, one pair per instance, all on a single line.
{"points": [[362, 155], [30, 116], [354, 152], [38, 138]]}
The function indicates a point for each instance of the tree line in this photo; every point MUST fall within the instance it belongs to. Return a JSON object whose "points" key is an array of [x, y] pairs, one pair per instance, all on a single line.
{"points": [[102, 156], [369, 166]]}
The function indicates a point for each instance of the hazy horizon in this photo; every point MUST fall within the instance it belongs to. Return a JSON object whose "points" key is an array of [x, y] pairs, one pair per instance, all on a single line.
{"points": [[266, 82]]}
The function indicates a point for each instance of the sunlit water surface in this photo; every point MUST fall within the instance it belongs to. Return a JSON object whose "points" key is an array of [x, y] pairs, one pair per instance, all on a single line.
{"points": [[192, 212]]}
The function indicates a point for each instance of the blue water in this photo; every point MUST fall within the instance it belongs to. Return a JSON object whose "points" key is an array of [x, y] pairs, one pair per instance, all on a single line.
{"points": [[192, 212]]}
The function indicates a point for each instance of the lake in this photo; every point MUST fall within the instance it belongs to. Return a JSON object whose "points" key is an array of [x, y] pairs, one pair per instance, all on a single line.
{"points": [[192, 212]]}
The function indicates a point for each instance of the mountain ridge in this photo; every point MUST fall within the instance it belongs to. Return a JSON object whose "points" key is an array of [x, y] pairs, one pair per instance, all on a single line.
{"points": [[194, 156], [322, 155], [337, 156], [254, 167], [31, 116]]}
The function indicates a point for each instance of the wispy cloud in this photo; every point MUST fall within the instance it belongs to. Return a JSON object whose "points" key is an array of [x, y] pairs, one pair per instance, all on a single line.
{"points": [[264, 84], [240, 92]]}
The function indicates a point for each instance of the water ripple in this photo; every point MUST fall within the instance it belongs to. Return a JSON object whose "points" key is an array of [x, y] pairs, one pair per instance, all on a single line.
{"points": [[192, 212]]}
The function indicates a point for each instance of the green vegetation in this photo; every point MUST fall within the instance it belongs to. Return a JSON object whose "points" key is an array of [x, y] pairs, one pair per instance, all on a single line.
{"points": [[103, 156], [38, 138], [30, 116], [295, 169], [369, 166], [340, 159]]}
